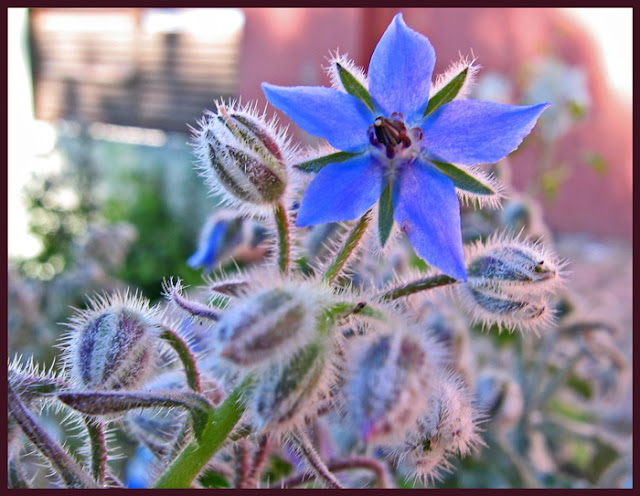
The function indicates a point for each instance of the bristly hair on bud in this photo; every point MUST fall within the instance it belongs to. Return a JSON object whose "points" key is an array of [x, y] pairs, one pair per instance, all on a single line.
{"points": [[449, 427], [271, 320], [511, 283], [288, 394], [243, 157], [113, 344], [390, 373]]}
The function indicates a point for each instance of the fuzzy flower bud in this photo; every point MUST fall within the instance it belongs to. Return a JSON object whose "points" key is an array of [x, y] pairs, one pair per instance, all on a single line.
{"points": [[510, 283], [286, 396], [449, 427], [391, 374], [270, 324], [112, 345], [243, 157]]}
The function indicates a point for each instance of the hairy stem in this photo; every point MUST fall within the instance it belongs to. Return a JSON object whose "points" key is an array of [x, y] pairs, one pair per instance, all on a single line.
{"points": [[243, 455], [95, 430], [349, 246], [303, 441], [417, 286], [259, 460], [63, 464], [186, 467], [185, 356], [284, 240], [558, 380], [355, 462]]}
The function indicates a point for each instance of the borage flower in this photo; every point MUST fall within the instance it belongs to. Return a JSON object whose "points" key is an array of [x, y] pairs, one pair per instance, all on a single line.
{"points": [[398, 146]]}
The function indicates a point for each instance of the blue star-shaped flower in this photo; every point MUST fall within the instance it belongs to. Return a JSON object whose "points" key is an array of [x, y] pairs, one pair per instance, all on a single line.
{"points": [[397, 143]]}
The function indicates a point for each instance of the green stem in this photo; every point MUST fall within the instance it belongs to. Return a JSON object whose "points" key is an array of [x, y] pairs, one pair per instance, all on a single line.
{"points": [[95, 430], [190, 462], [350, 244], [558, 380], [186, 357], [284, 241], [416, 286]]}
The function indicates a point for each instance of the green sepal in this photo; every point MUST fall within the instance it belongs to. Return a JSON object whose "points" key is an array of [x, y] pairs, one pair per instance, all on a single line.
{"points": [[353, 86], [315, 165], [462, 179], [448, 93], [385, 215]]}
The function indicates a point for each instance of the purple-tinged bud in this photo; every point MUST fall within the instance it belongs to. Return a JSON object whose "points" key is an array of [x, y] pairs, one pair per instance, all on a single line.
{"points": [[243, 156], [113, 345], [288, 394], [510, 283], [270, 324], [389, 379]]}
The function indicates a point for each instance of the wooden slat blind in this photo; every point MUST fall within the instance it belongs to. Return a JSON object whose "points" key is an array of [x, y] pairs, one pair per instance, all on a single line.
{"points": [[102, 65]]}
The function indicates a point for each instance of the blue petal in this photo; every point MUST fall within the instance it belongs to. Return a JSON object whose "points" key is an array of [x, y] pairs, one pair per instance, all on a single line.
{"points": [[338, 117], [470, 132], [428, 210], [210, 248], [341, 191], [400, 71]]}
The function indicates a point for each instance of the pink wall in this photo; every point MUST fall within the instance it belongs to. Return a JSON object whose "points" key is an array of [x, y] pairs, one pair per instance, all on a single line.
{"points": [[289, 46]]}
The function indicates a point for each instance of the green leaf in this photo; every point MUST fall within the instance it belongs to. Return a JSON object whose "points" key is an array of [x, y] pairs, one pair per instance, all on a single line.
{"points": [[385, 215], [463, 180], [353, 86], [211, 479], [315, 165], [580, 386], [448, 93]]}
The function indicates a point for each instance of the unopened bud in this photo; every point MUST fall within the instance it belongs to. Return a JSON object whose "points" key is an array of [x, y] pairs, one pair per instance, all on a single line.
{"points": [[288, 394], [510, 283], [449, 427], [388, 384], [112, 345], [269, 324], [220, 236], [243, 156]]}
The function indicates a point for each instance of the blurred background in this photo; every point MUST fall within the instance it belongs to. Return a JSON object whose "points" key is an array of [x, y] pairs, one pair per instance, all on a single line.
{"points": [[102, 192]]}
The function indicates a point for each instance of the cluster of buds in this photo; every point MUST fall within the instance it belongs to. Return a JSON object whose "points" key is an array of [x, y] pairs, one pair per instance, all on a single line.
{"points": [[510, 283]]}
